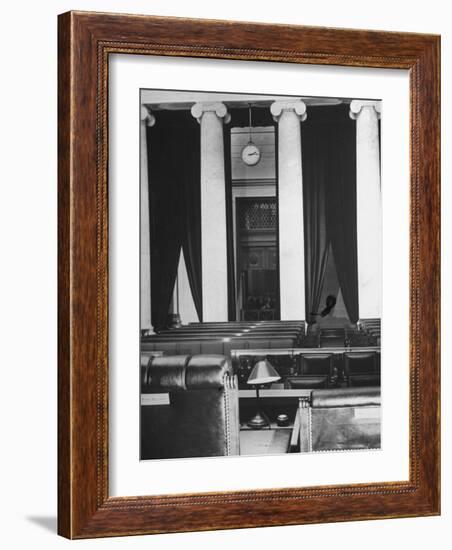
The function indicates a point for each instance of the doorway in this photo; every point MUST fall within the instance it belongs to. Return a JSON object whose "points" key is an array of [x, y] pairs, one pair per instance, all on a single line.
{"points": [[257, 258]]}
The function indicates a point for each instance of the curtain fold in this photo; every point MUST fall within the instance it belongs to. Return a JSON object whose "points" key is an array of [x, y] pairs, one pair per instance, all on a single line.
{"points": [[329, 191], [341, 209], [229, 223], [190, 210], [164, 222], [175, 220], [315, 235]]}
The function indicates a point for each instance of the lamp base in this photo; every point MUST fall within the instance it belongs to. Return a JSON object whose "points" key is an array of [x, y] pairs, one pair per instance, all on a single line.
{"points": [[259, 421]]}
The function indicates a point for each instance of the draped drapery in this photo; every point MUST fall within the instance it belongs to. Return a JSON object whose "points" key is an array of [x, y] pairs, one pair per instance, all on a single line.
{"points": [[175, 208], [315, 236], [163, 221], [190, 208], [329, 182], [341, 211]]}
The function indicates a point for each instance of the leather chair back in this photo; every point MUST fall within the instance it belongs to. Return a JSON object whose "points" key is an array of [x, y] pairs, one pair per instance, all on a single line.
{"points": [[362, 369], [200, 414], [315, 371], [340, 419], [316, 364]]}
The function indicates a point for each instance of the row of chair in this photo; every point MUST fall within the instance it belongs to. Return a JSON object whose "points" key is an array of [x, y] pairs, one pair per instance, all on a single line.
{"points": [[318, 370], [232, 330], [218, 346], [222, 337], [338, 337]]}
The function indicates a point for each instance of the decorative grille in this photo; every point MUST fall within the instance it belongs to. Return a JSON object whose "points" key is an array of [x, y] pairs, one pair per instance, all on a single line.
{"points": [[258, 214]]}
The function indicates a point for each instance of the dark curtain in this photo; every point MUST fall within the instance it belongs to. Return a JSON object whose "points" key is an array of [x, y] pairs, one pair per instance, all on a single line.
{"points": [[341, 207], [175, 220], [329, 189], [191, 209], [229, 222], [315, 235]]}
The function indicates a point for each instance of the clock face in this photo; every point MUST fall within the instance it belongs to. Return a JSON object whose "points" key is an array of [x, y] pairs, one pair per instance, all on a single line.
{"points": [[251, 154]]}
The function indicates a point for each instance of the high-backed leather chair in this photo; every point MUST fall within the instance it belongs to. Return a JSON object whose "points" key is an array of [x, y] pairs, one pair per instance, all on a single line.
{"points": [[359, 339], [310, 340], [362, 369], [315, 371], [197, 414], [332, 337], [339, 419]]}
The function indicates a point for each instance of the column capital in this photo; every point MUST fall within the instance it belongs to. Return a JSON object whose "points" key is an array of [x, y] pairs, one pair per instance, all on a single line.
{"points": [[147, 118], [357, 105], [217, 107], [298, 106]]}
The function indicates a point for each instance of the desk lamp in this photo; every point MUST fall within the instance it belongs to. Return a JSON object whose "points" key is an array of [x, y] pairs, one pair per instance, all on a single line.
{"points": [[262, 373]]}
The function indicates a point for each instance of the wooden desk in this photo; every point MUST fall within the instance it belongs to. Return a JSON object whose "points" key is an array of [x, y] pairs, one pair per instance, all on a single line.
{"points": [[273, 441], [274, 392]]}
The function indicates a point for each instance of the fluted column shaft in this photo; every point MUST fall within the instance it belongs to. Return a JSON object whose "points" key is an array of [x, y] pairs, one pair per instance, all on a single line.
{"points": [[147, 119], [368, 203], [213, 211], [290, 208]]}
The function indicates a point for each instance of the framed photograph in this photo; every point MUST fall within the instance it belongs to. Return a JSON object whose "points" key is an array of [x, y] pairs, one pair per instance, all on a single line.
{"points": [[248, 275]]}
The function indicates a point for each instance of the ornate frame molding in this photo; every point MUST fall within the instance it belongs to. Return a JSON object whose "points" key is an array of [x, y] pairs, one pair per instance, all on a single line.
{"points": [[85, 42]]}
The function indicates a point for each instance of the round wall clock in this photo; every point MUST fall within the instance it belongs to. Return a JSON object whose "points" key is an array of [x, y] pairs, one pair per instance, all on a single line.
{"points": [[251, 154]]}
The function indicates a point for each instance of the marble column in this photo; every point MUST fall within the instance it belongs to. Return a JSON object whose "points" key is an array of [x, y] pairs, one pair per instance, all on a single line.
{"points": [[147, 119], [288, 114], [368, 204], [211, 117]]}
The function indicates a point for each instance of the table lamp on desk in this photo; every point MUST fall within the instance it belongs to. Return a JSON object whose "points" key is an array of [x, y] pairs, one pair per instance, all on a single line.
{"points": [[262, 373]]}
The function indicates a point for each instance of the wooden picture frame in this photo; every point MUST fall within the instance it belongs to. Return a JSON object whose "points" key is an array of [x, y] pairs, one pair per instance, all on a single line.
{"points": [[86, 40]]}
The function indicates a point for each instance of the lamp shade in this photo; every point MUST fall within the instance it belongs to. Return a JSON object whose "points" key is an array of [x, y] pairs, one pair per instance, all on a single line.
{"points": [[263, 373]]}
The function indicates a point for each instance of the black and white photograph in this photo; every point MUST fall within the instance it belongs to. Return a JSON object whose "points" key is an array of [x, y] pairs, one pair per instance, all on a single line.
{"points": [[260, 274], [224, 235]]}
